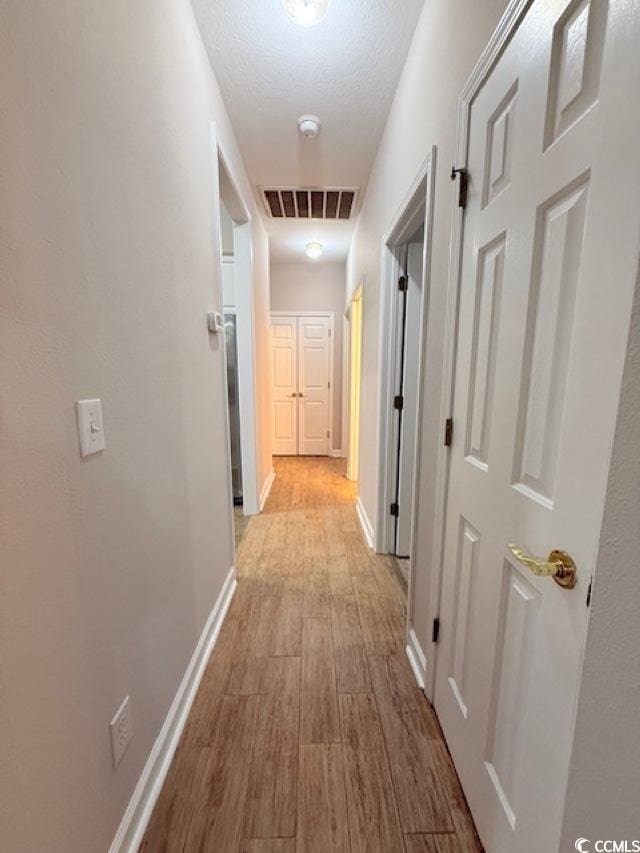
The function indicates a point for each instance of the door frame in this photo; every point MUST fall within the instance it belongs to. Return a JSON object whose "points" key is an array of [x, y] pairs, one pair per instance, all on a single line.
{"points": [[353, 396], [332, 322], [225, 187], [417, 204], [508, 24]]}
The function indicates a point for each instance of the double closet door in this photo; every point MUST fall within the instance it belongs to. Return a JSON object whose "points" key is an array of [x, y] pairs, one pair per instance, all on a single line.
{"points": [[301, 365]]}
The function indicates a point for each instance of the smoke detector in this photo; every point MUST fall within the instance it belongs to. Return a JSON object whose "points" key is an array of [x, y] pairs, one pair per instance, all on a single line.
{"points": [[309, 126]]}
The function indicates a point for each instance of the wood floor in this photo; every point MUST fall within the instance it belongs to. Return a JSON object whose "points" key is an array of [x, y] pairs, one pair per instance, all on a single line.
{"points": [[308, 732]]}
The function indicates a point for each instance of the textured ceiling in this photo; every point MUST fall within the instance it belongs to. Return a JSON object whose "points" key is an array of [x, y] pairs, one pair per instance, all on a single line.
{"points": [[344, 70]]}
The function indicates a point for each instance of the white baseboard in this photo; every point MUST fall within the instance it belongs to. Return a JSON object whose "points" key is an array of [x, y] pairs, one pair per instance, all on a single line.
{"points": [[367, 527], [417, 659], [335, 454], [266, 489], [132, 827]]}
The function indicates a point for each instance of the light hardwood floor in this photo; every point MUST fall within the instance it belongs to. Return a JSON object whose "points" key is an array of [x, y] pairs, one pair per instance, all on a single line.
{"points": [[308, 732]]}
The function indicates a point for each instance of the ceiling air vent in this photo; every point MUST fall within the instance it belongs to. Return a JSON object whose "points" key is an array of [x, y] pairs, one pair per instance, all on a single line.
{"points": [[301, 203]]}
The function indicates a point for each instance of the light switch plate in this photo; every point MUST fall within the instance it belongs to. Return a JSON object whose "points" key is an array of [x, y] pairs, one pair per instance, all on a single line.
{"points": [[90, 426]]}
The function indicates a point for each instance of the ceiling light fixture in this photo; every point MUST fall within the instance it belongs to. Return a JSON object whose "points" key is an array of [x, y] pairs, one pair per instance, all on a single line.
{"points": [[306, 12], [314, 250]]}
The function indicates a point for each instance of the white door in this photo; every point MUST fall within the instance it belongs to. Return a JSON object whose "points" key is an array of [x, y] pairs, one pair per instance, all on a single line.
{"points": [[313, 385], [284, 372], [409, 419], [301, 354], [549, 259]]}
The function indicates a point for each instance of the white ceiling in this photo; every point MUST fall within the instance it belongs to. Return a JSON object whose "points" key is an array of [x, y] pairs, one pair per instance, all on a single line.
{"points": [[344, 70]]}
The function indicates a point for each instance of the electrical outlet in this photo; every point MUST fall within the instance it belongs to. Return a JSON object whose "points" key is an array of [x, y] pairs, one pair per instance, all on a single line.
{"points": [[121, 732]]}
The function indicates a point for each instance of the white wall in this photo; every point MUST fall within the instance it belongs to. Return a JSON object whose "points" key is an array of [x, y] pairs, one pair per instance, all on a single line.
{"points": [[448, 41], [316, 286], [110, 565]]}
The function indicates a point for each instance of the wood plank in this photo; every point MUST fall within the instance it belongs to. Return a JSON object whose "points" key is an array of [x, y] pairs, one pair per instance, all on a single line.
{"points": [[268, 845], [407, 731], [270, 809], [393, 674], [436, 843], [363, 578], [217, 818], [286, 636], [174, 810], [253, 640], [352, 672], [380, 634], [323, 823], [317, 603], [373, 813], [320, 720], [462, 820], [339, 575], [201, 724]]}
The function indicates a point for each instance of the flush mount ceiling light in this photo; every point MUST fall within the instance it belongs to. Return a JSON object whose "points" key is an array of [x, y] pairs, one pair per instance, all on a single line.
{"points": [[314, 250], [306, 12]]}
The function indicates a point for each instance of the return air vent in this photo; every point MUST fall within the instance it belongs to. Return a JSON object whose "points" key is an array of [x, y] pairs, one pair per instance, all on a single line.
{"points": [[301, 203]]}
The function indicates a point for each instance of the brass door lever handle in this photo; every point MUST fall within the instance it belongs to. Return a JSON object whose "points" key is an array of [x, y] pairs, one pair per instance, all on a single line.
{"points": [[559, 566]]}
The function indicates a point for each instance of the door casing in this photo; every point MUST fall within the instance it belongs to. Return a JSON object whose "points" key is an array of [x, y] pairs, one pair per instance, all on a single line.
{"points": [[416, 206], [352, 437]]}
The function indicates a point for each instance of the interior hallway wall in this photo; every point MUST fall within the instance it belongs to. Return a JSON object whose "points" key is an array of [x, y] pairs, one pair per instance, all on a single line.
{"points": [[316, 287], [110, 565], [448, 41]]}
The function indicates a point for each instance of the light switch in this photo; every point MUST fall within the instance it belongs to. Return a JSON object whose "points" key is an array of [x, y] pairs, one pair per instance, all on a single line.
{"points": [[90, 426]]}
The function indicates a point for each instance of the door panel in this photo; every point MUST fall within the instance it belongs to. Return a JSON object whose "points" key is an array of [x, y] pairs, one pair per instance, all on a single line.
{"points": [[313, 366], [284, 368], [548, 266]]}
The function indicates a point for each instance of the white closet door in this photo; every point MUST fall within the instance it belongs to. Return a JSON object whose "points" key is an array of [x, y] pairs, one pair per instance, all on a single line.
{"points": [[284, 369], [313, 385]]}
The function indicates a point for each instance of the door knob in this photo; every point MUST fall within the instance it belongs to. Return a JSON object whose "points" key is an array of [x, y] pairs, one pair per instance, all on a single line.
{"points": [[559, 566], [293, 395], [300, 395]]}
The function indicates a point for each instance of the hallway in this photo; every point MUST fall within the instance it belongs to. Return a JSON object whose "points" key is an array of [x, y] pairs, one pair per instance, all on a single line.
{"points": [[308, 732]]}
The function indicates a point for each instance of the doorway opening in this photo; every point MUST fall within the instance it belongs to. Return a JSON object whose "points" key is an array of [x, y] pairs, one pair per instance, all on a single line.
{"points": [[354, 316], [406, 252], [235, 252]]}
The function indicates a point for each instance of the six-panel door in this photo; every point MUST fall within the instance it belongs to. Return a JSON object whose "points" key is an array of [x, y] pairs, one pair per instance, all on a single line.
{"points": [[548, 268], [301, 377]]}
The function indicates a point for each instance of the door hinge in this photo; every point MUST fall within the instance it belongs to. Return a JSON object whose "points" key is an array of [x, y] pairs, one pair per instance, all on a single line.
{"points": [[329, 384], [328, 434], [435, 631], [403, 283], [329, 330], [394, 510], [398, 402], [462, 186], [448, 432], [589, 593]]}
